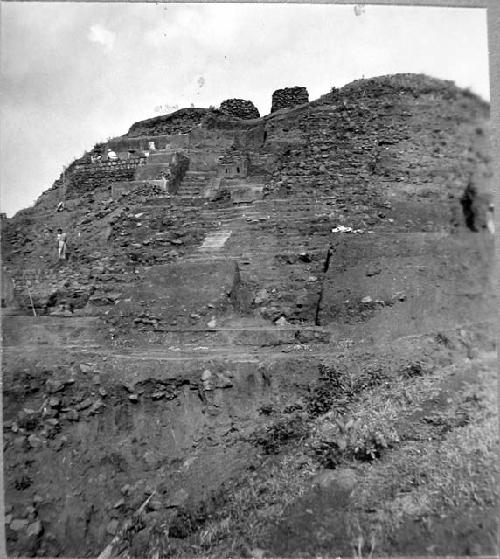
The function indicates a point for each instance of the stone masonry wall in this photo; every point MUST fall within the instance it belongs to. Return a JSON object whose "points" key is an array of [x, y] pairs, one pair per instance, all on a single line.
{"points": [[86, 177], [289, 97], [239, 108], [124, 143]]}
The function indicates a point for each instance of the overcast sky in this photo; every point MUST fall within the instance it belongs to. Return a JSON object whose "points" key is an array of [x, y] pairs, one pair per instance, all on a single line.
{"points": [[77, 73]]}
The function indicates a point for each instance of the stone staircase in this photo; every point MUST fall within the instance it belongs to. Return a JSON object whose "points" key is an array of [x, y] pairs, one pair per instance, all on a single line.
{"points": [[215, 241], [156, 164], [195, 183]]}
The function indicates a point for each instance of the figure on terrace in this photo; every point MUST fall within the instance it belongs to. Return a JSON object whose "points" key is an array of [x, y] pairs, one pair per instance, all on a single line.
{"points": [[61, 244], [468, 201], [490, 219], [165, 178]]}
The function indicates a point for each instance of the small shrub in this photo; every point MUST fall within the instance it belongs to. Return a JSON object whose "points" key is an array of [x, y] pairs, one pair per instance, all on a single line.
{"points": [[373, 375], [266, 409], [293, 408], [412, 370], [333, 388], [335, 443], [182, 525], [275, 436], [23, 482], [371, 447], [347, 439], [443, 339]]}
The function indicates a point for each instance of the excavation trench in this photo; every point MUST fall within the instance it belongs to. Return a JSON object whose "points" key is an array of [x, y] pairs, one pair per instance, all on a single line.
{"points": [[91, 438], [326, 266]]}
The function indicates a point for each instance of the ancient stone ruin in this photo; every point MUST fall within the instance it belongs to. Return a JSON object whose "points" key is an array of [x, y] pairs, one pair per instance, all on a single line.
{"points": [[289, 97], [272, 336], [239, 108]]}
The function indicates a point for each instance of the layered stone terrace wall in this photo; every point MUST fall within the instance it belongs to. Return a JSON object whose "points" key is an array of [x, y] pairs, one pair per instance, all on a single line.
{"points": [[86, 177], [141, 143]]}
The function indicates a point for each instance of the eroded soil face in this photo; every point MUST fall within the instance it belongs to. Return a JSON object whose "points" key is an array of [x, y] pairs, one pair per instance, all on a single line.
{"points": [[305, 372]]}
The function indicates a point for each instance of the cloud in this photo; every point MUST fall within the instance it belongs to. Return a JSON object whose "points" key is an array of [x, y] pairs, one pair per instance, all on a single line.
{"points": [[99, 34]]}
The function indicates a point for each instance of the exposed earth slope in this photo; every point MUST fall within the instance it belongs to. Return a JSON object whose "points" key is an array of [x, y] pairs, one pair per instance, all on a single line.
{"points": [[272, 335]]}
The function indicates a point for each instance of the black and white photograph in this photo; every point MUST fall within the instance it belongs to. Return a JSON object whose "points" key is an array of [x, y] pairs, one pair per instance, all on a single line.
{"points": [[248, 281]]}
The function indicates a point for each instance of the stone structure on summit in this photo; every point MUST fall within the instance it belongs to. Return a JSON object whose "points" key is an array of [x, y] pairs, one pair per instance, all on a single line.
{"points": [[289, 97], [239, 108], [254, 315]]}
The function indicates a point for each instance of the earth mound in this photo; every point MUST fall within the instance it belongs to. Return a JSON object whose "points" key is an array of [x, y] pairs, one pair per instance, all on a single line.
{"points": [[271, 336]]}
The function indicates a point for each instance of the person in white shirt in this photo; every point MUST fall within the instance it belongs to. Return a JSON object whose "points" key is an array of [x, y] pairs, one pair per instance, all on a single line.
{"points": [[61, 244], [490, 219]]}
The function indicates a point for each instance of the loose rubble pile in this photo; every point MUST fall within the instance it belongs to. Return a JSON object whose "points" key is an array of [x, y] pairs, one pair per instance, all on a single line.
{"points": [[239, 108], [179, 122]]}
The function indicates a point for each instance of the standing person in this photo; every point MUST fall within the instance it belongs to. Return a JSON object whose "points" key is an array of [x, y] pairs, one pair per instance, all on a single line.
{"points": [[61, 244], [490, 219], [163, 182], [469, 205]]}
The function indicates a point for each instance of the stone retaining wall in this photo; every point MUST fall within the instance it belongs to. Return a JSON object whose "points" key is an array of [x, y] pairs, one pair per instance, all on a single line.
{"points": [[120, 188], [141, 143], [86, 177]]}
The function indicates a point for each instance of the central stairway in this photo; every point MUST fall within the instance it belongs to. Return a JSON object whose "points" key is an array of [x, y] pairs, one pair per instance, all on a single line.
{"points": [[215, 240], [195, 183]]}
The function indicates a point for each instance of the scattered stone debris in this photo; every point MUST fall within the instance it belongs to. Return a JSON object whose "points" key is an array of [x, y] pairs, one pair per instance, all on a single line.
{"points": [[206, 379], [344, 229]]}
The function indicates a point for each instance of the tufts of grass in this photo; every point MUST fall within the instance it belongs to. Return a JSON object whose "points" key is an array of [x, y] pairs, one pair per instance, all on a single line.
{"points": [[357, 423], [254, 502], [281, 433]]}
